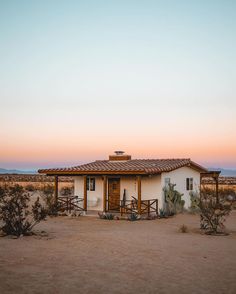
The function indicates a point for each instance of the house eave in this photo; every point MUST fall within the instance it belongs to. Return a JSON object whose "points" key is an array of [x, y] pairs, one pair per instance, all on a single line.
{"points": [[101, 173]]}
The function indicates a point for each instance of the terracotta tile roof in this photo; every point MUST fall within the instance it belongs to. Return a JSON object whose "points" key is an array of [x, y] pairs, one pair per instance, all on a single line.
{"points": [[134, 166]]}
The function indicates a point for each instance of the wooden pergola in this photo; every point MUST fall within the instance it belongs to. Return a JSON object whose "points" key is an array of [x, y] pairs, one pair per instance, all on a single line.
{"points": [[105, 194], [215, 176]]}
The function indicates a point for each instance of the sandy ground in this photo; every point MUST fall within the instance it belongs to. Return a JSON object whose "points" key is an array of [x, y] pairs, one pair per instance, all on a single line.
{"points": [[89, 255]]}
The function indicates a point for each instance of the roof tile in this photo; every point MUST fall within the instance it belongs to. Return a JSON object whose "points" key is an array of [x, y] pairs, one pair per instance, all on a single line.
{"points": [[146, 166]]}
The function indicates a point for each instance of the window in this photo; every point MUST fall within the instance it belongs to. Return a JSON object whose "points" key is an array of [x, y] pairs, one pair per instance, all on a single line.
{"points": [[189, 184], [167, 182], [90, 184]]}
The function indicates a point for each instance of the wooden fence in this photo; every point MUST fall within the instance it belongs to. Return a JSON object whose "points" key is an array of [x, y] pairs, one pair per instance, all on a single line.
{"points": [[69, 203], [131, 206]]}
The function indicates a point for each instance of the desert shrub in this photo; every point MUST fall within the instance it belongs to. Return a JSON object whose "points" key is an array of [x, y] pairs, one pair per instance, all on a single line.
{"points": [[16, 214], [107, 216], [47, 189], [195, 199], [52, 206], [173, 202], [2, 191], [133, 217], [47, 193], [66, 191], [213, 211], [163, 213], [183, 229], [30, 188]]}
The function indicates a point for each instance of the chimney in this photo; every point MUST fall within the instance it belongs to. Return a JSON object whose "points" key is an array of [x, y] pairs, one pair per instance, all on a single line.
{"points": [[119, 156]]}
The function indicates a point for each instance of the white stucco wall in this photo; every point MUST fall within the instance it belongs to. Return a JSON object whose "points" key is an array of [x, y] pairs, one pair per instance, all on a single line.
{"points": [[94, 198], [130, 185], [178, 177], [151, 187]]}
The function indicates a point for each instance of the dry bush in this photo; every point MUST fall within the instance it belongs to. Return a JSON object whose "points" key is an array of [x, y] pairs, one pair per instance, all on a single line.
{"points": [[17, 215], [47, 192], [183, 229], [30, 188], [66, 191], [213, 211]]}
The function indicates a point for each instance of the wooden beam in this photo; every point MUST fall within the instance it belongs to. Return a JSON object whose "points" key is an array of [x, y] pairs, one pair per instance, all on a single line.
{"points": [[139, 194], [104, 193], [56, 189], [217, 190], [210, 174], [85, 193]]}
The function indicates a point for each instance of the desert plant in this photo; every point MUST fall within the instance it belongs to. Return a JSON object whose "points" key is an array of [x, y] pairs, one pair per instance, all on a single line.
{"points": [[195, 199], [107, 216], [162, 213], [66, 191], [17, 215], [47, 189], [183, 229], [213, 210], [133, 217], [173, 201], [30, 188], [47, 193], [52, 206]]}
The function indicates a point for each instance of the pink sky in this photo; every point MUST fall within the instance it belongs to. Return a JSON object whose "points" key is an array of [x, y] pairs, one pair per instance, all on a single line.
{"points": [[80, 80]]}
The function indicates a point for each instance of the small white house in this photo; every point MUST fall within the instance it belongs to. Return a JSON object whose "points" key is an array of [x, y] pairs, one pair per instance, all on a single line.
{"points": [[121, 182]]}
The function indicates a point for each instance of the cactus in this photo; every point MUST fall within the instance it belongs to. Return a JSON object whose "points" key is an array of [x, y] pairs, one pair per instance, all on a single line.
{"points": [[195, 200], [174, 203]]}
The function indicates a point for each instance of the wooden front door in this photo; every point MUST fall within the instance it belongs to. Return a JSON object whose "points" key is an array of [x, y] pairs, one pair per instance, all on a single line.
{"points": [[114, 194]]}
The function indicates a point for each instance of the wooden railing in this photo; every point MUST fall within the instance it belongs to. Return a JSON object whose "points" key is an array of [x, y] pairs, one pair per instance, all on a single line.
{"points": [[149, 206], [69, 203], [131, 206]]}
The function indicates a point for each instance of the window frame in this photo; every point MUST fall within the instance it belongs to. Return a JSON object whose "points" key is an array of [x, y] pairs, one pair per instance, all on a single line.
{"points": [[189, 184], [91, 184]]}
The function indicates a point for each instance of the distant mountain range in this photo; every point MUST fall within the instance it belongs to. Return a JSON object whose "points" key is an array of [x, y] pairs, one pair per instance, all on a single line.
{"points": [[16, 171], [224, 172]]}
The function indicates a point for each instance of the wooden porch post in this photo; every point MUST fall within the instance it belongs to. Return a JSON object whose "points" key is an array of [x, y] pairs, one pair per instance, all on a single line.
{"points": [[85, 193], [104, 193], [200, 188], [56, 189], [139, 194], [217, 189]]}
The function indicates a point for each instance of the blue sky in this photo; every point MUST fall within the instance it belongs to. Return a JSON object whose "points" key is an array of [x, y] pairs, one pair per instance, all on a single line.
{"points": [[155, 78]]}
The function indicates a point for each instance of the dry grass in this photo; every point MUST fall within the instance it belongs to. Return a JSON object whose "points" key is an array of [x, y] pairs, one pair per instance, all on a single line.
{"points": [[183, 229]]}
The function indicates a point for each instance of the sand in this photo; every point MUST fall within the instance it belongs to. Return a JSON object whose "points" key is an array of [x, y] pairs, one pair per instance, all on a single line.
{"points": [[89, 255]]}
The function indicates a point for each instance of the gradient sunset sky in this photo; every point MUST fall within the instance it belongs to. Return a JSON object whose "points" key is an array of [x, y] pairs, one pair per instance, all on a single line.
{"points": [[80, 79]]}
